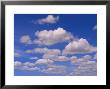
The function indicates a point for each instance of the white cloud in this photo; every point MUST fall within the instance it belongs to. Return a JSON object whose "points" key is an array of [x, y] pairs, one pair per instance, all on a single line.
{"points": [[29, 64], [25, 66], [79, 47], [44, 51], [16, 54], [83, 59], [49, 19], [85, 69], [51, 37], [33, 58], [44, 61], [17, 63], [55, 69], [26, 39]]}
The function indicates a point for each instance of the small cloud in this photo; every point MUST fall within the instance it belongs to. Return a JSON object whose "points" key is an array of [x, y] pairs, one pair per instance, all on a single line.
{"points": [[55, 69], [95, 27], [34, 58], [26, 39], [16, 54], [44, 61], [50, 19], [80, 46]]}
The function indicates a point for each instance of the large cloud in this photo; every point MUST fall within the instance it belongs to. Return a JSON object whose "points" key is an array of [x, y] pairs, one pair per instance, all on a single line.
{"points": [[26, 39], [51, 37], [79, 47], [49, 19]]}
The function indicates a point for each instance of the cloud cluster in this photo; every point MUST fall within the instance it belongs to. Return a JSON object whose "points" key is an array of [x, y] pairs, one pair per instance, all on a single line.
{"points": [[50, 19], [55, 69], [80, 46], [51, 37], [44, 51], [25, 66]]}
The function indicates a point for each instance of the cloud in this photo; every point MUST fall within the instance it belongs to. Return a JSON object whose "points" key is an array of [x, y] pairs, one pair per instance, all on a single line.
{"points": [[55, 69], [80, 46], [44, 61], [17, 64], [95, 27], [16, 54], [25, 66], [51, 37], [85, 69], [50, 19], [33, 58], [85, 58], [26, 39], [44, 51], [29, 64]]}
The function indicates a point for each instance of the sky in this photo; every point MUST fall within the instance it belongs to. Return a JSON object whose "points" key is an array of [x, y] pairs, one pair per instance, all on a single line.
{"points": [[55, 44]]}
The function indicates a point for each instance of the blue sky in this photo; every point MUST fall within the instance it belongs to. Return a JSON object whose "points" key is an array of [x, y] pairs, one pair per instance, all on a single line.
{"points": [[55, 44]]}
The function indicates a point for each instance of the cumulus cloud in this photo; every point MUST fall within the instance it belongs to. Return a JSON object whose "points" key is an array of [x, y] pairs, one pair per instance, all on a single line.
{"points": [[79, 47], [17, 63], [44, 61], [85, 58], [26, 39], [55, 69], [50, 19], [25, 66], [86, 69], [44, 51], [51, 37]]}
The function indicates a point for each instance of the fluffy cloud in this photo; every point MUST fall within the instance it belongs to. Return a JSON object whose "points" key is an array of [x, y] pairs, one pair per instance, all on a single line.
{"points": [[83, 59], [49, 19], [25, 66], [17, 63], [51, 37], [44, 51], [55, 69], [44, 61], [86, 69], [79, 47], [26, 39]]}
